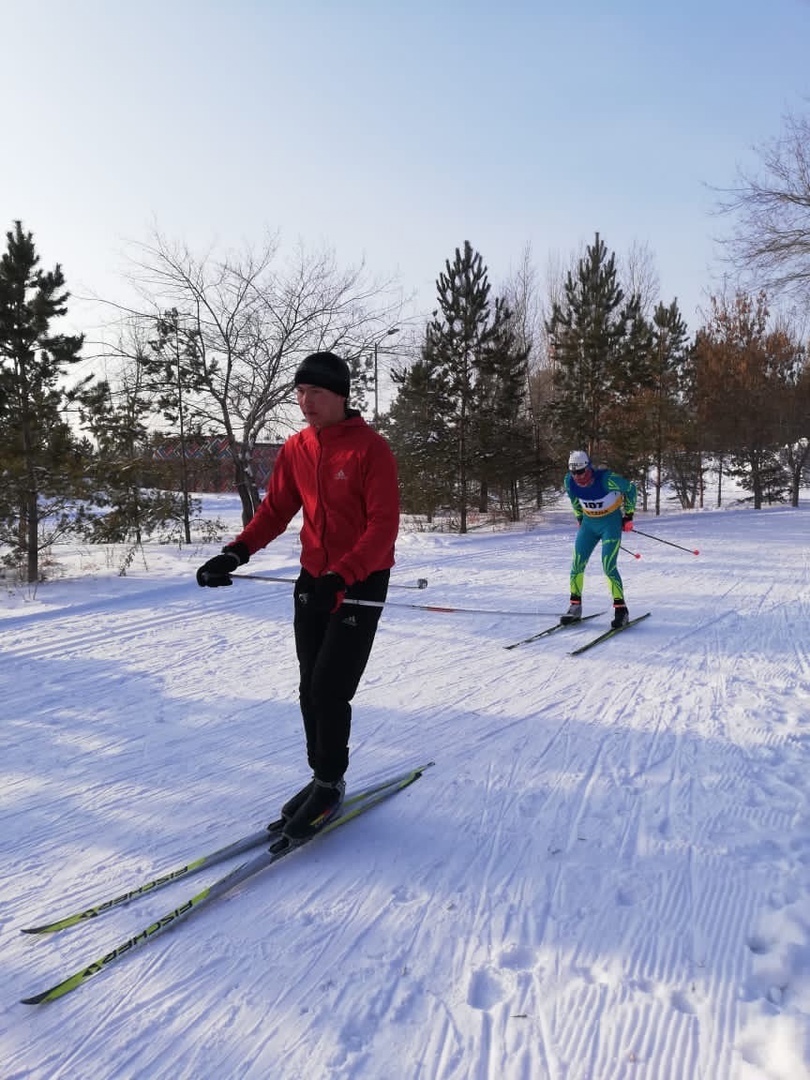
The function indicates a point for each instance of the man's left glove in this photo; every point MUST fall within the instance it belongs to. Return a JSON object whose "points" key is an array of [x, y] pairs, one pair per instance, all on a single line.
{"points": [[627, 522], [325, 594], [217, 571]]}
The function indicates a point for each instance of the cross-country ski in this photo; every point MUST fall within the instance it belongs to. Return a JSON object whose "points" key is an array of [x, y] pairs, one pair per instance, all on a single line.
{"points": [[552, 630], [612, 632], [273, 854]]}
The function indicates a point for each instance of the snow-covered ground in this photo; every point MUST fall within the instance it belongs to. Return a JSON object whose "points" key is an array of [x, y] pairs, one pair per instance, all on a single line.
{"points": [[606, 875]]}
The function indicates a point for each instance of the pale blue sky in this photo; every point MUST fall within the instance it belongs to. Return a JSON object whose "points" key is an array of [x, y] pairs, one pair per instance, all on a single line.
{"points": [[391, 129]]}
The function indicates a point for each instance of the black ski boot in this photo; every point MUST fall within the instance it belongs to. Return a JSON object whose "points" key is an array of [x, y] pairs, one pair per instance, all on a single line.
{"points": [[291, 806], [621, 616], [574, 613], [320, 806]]}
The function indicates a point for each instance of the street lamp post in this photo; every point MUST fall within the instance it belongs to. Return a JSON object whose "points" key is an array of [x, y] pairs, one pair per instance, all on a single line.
{"points": [[391, 330]]}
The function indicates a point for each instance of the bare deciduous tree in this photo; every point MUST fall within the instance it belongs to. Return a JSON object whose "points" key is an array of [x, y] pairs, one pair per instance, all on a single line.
{"points": [[523, 295], [770, 244], [246, 323], [640, 277]]}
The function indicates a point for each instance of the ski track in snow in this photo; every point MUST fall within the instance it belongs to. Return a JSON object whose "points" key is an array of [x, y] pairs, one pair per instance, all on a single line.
{"points": [[605, 876]]}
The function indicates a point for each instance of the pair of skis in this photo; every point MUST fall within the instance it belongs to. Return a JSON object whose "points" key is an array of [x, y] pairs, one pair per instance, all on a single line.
{"points": [[588, 644], [278, 849]]}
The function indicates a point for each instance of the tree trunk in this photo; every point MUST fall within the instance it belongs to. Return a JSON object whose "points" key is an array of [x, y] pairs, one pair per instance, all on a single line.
{"points": [[32, 514]]}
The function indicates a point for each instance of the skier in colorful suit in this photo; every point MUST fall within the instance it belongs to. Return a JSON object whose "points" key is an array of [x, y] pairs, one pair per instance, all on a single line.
{"points": [[603, 503]]}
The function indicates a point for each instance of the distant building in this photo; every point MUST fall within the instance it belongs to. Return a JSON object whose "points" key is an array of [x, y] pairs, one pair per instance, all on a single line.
{"points": [[209, 466]]}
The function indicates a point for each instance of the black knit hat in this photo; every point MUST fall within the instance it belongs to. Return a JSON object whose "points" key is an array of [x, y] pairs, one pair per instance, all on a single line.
{"points": [[326, 370]]}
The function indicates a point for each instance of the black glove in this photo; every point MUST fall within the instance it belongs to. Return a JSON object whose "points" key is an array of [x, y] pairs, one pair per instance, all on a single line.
{"points": [[217, 571], [627, 522], [325, 594]]}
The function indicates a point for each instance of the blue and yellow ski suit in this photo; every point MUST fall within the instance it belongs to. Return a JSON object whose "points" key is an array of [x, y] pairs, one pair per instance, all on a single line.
{"points": [[599, 508]]}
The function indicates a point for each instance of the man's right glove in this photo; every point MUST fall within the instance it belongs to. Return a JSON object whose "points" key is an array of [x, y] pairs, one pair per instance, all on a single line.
{"points": [[627, 522], [325, 594], [217, 571]]}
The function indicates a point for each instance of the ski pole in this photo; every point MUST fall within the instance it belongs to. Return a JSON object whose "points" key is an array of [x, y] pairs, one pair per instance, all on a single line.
{"points": [[266, 577], [449, 610], [635, 554], [421, 583], [416, 607], [692, 551]]}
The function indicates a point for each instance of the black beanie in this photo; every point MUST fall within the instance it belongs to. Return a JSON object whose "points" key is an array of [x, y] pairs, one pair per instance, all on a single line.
{"points": [[326, 370]]}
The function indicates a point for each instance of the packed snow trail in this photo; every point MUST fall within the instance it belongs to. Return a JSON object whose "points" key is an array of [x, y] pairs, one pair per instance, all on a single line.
{"points": [[610, 878]]}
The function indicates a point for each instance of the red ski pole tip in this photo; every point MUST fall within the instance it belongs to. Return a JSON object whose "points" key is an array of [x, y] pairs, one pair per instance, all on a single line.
{"points": [[695, 552]]}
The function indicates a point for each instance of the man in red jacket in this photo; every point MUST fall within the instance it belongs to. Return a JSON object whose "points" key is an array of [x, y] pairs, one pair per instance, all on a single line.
{"points": [[343, 476]]}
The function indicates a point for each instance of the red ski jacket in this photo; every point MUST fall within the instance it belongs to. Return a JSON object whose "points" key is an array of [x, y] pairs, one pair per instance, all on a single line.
{"points": [[344, 477]]}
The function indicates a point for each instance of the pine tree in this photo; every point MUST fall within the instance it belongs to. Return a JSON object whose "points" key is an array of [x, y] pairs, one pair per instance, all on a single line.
{"points": [[41, 458], [129, 489], [458, 338], [671, 349], [588, 331], [647, 409], [171, 369], [502, 426], [628, 426], [417, 427]]}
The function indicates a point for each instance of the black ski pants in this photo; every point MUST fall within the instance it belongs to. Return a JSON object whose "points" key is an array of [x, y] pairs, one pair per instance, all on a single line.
{"points": [[333, 651]]}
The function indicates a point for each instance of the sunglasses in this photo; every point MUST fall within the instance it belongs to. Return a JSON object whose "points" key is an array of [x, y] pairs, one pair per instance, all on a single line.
{"points": [[579, 472]]}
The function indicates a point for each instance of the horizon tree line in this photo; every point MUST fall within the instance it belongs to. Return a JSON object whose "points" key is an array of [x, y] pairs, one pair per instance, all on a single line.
{"points": [[485, 409]]}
